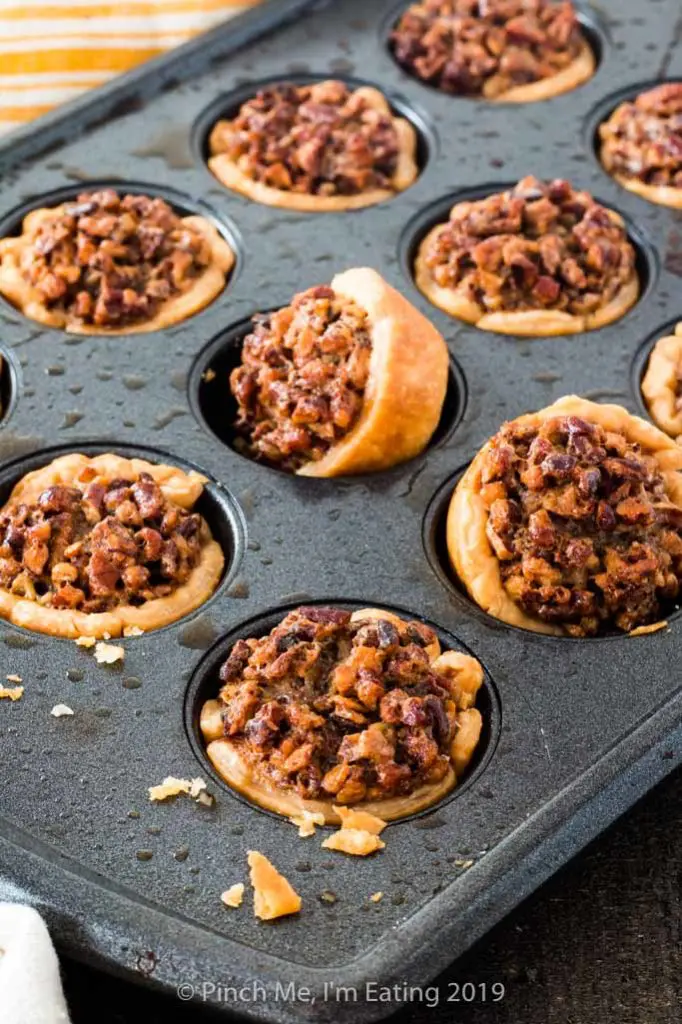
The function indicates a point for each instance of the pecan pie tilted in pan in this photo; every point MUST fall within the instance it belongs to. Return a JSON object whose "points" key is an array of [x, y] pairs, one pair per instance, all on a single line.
{"points": [[540, 259], [96, 546], [507, 51], [662, 383], [315, 148], [357, 709], [641, 145], [349, 378], [569, 521], [113, 264]]}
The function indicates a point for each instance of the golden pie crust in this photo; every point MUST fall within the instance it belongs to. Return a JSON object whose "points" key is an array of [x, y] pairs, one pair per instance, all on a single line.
{"points": [[204, 289], [466, 676], [660, 384], [470, 552], [230, 174], [182, 488], [405, 390], [527, 323], [581, 68]]}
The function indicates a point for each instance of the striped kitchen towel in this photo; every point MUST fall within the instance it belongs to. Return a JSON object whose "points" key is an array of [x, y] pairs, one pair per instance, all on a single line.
{"points": [[51, 50]]}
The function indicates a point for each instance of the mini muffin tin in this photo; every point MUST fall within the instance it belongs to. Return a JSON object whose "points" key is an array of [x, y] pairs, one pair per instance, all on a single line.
{"points": [[576, 730]]}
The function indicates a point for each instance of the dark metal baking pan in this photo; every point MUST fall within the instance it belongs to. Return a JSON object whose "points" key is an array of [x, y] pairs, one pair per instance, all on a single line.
{"points": [[578, 729]]}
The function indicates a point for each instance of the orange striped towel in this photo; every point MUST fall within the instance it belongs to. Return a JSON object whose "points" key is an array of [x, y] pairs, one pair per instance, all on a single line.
{"points": [[51, 50]]}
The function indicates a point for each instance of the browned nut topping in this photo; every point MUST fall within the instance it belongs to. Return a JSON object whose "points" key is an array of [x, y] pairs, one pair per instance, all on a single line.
{"points": [[300, 387], [643, 138], [72, 548], [111, 261], [486, 47], [322, 139], [581, 524], [348, 709], [535, 247]]}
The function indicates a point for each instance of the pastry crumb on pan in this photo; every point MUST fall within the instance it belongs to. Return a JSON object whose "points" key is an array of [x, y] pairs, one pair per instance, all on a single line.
{"points": [[93, 546], [321, 147], [355, 717], [172, 786], [273, 895], [306, 822], [348, 378], [234, 896], [356, 842], [11, 692], [662, 383], [641, 144], [61, 711], [539, 259], [110, 263], [569, 520], [508, 51]]}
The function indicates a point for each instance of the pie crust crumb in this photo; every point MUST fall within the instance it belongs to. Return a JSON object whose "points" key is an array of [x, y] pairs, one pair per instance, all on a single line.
{"points": [[273, 895], [357, 842], [61, 711], [11, 692], [361, 821], [86, 641], [652, 627], [13, 678], [108, 654], [170, 787], [306, 822], [233, 896], [376, 897]]}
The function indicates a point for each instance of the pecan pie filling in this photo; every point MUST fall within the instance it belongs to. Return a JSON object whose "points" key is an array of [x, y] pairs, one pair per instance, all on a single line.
{"points": [[581, 524], [300, 387], [540, 246], [642, 140], [348, 710], [323, 140], [108, 262], [489, 47], [98, 546]]}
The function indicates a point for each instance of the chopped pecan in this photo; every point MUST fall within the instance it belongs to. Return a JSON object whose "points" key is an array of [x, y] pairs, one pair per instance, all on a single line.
{"points": [[642, 139], [321, 139], [300, 385], [99, 546], [562, 251], [111, 260], [486, 47], [592, 544], [331, 727]]}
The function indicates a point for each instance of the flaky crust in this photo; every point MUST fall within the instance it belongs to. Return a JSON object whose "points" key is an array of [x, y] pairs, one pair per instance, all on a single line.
{"points": [[470, 552], [226, 171], [578, 71], [660, 383], [182, 488], [535, 323], [225, 756], [405, 391], [203, 291]]}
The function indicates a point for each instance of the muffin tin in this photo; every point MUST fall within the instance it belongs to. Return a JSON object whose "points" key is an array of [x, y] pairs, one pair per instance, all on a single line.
{"points": [[576, 730]]}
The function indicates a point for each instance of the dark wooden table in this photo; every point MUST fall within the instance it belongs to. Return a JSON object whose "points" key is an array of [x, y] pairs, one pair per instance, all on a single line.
{"points": [[601, 943]]}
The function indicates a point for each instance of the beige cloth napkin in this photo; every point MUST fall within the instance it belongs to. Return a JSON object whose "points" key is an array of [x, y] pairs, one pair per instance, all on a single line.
{"points": [[30, 986]]}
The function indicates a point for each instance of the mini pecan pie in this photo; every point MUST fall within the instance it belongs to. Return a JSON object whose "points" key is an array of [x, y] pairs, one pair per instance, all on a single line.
{"points": [[569, 520], [340, 708], [641, 145], [96, 546], [112, 264], [539, 259], [662, 384], [509, 51], [315, 148], [349, 378]]}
